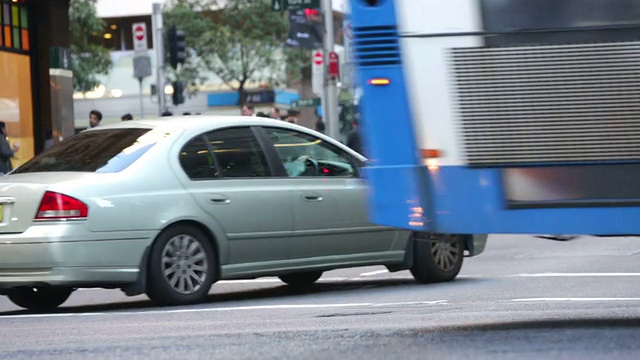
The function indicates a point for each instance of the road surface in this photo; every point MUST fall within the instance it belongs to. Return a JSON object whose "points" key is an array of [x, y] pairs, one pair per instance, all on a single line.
{"points": [[525, 298]]}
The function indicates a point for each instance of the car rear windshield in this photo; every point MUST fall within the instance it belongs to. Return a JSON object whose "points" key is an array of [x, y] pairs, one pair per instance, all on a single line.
{"points": [[101, 151]]}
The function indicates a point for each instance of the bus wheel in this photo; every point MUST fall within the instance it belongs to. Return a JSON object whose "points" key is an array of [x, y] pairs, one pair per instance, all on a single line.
{"points": [[437, 258]]}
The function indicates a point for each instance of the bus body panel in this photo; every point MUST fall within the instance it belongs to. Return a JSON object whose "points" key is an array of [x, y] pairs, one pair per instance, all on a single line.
{"points": [[398, 193], [420, 109], [472, 201]]}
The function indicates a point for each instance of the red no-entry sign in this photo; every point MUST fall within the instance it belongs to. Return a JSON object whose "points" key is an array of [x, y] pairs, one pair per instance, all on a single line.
{"points": [[317, 58]]}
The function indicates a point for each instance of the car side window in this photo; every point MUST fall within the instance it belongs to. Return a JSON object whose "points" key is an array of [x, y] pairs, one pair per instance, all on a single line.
{"points": [[196, 160], [238, 153], [307, 155]]}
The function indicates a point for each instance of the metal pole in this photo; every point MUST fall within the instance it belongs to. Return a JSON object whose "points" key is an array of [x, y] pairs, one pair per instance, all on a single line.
{"points": [[158, 45], [141, 99], [331, 91]]}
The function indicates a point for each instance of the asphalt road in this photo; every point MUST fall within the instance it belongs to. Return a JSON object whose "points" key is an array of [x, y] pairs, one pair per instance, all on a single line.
{"points": [[525, 298]]}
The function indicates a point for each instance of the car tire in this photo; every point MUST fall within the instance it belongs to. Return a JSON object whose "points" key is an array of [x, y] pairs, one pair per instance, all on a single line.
{"points": [[182, 267], [302, 279], [39, 299], [437, 258]]}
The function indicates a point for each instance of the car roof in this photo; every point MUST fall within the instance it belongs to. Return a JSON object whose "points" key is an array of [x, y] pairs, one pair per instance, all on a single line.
{"points": [[200, 123], [195, 122]]}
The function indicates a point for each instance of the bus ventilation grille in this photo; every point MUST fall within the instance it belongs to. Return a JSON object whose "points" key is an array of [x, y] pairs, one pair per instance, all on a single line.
{"points": [[376, 46], [548, 104]]}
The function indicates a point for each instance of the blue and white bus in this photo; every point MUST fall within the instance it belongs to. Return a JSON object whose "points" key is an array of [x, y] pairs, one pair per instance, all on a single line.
{"points": [[501, 116]]}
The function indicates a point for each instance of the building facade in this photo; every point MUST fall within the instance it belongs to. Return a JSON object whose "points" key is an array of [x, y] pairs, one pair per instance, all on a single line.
{"points": [[36, 84]]}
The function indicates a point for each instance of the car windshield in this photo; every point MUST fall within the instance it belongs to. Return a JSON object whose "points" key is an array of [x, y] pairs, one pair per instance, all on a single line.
{"points": [[101, 151]]}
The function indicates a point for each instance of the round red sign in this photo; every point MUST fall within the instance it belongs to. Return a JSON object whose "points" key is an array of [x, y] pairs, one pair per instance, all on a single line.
{"points": [[138, 32], [317, 58]]}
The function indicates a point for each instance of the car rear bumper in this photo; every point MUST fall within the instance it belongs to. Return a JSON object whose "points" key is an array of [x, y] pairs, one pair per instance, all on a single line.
{"points": [[476, 244], [68, 254]]}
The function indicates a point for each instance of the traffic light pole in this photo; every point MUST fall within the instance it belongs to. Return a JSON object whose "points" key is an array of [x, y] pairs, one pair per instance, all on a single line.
{"points": [[330, 103], [158, 45]]}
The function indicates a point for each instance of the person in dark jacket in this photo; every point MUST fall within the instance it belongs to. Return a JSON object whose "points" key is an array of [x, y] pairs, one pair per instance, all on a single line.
{"points": [[354, 140], [320, 127], [6, 151]]}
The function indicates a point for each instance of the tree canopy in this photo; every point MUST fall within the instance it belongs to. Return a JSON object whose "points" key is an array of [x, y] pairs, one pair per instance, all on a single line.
{"points": [[89, 58], [241, 43]]}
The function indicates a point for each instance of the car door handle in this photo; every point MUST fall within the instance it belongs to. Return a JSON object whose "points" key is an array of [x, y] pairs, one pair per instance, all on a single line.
{"points": [[220, 200], [312, 196]]}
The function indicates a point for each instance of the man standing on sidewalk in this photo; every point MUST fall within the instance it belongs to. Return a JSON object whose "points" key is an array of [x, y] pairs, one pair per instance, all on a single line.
{"points": [[6, 151]]}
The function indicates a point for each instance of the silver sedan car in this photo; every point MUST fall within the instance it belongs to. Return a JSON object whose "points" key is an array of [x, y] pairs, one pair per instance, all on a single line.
{"points": [[167, 207]]}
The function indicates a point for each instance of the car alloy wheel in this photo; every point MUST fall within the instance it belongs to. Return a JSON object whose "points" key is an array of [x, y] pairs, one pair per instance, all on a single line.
{"points": [[445, 252], [181, 267], [184, 264], [437, 257]]}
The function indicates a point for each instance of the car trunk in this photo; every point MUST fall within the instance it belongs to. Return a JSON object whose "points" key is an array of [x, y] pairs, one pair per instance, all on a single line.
{"points": [[20, 197]]}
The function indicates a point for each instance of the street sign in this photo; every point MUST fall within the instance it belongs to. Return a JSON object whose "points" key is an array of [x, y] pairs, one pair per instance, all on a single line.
{"points": [[317, 58], [139, 36], [141, 66], [306, 103], [317, 73], [334, 65], [282, 5]]}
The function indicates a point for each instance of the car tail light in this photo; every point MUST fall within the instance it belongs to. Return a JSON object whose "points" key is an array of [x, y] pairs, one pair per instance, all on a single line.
{"points": [[56, 206]]}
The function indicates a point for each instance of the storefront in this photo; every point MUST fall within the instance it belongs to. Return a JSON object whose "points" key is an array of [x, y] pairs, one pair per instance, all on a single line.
{"points": [[16, 85]]}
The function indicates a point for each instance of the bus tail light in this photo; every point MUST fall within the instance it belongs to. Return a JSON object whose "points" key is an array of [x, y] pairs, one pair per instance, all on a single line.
{"points": [[430, 157], [430, 153], [379, 81]]}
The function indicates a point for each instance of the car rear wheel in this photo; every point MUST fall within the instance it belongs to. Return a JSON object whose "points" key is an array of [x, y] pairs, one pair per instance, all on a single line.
{"points": [[182, 267], [39, 299], [301, 279], [437, 257]]}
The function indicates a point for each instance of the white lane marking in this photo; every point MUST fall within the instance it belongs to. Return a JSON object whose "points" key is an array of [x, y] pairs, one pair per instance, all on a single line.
{"points": [[435, 302], [377, 272], [236, 308], [575, 275], [573, 299]]}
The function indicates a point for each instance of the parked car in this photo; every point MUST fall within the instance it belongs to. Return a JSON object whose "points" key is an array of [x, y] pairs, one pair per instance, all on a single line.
{"points": [[167, 207]]}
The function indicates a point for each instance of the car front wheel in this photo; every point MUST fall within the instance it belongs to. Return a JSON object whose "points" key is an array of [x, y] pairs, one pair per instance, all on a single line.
{"points": [[181, 267], [39, 299], [437, 257]]}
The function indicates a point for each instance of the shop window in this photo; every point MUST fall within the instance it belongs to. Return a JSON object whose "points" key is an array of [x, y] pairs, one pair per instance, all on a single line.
{"points": [[14, 25]]}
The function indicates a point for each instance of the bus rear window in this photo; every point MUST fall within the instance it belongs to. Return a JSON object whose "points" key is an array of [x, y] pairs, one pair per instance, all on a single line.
{"points": [[101, 151]]}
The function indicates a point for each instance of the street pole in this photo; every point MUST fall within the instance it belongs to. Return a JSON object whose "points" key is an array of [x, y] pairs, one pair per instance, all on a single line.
{"points": [[158, 45], [330, 103], [141, 98]]}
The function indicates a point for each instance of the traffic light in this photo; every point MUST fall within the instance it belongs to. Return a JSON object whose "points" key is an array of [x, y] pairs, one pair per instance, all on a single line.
{"points": [[177, 49], [178, 93]]}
